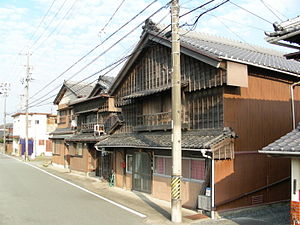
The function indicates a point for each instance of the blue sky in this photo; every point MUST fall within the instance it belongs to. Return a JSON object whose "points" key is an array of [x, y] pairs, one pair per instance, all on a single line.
{"points": [[71, 35]]}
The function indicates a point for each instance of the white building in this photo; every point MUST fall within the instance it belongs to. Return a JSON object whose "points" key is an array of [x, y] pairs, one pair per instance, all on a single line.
{"points": [[39, 127]]}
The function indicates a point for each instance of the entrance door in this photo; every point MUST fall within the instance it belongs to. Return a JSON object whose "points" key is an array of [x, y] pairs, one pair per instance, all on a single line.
{"points": [[106, 164], [142, 175], [30, 146]]}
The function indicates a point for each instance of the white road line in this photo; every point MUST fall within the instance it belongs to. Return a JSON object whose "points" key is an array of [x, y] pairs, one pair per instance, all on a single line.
{"points": [[83, 189]]}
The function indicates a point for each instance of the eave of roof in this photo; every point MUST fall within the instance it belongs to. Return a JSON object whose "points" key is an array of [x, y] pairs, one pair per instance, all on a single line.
{"points": [[191, 140], [90, 138], [31, 114], [280, 153], [60, 94], [89, 99], [288, 144]]}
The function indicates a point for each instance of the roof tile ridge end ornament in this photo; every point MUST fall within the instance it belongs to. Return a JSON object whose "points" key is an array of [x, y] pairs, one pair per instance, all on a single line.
{"points": [[149, 26], [229, 131]]}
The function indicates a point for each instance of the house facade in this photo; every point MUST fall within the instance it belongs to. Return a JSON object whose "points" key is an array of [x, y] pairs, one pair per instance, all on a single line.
{"points": [[66, 123], [9, 137], [93, 116], [40, 125], [231, 94], [90, 117]]}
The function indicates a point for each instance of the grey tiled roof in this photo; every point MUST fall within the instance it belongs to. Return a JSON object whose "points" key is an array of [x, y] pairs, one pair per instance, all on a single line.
{"points": [[105, 82], [61, 136], [59, 131], [242, 52], [153, 91], [231, 50], [287, 144], [202, 139], [147, 92], [84, 138], [79, 89]]}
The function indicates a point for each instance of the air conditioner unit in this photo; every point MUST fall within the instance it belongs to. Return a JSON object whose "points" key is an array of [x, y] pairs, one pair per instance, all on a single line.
{"points": [[204, 202], [98, 129]]}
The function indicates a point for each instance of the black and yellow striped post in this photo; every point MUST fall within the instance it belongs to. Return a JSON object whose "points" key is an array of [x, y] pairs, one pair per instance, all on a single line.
{"points": [[175, 186], [176, 214]]}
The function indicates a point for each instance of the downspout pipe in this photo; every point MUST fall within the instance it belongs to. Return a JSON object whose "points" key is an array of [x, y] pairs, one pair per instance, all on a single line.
{"points": [[204, 153], [293, 103]]}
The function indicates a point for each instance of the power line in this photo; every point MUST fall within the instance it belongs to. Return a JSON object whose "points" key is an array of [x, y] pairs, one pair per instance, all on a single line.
{"points": [[91, 62], [233, 21], [193, 26], [112, 17], [115, 64], [201, 6], [42, 20], [250, 12], [118, 62], [97, 46], [242, 39], [51, 21], [59, 23], [270, 9], [129, 33], [208, 10], [121, 40]]}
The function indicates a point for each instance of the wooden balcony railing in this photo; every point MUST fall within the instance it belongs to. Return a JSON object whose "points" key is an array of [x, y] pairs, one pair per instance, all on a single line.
{"points": [[91, 127], [156, 121]]}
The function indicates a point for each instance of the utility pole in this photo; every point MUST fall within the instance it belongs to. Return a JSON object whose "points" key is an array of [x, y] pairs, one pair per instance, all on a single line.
{"points": [[4, 124], [27, 79], [5, 88], [176, 214]]}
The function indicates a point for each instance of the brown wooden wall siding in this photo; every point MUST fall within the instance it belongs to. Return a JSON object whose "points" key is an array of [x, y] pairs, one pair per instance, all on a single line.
{"points": [[59, 158], [153, 70], [80, 163], [49, 146], [259, 114]]}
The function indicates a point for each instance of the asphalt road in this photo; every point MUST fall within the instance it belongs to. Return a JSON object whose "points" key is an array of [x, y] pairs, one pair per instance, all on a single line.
{"points": [[30, 197]]}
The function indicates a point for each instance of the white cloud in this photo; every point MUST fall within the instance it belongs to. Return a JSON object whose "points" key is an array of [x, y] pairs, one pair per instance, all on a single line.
{"points": [[80, 32]]}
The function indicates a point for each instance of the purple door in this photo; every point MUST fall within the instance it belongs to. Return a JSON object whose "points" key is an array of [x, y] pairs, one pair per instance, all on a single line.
{"points": [[30, 146]]}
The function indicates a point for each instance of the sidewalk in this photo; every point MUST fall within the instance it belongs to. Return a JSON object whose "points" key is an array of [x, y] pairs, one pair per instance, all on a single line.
{"points": [[158, 211]]}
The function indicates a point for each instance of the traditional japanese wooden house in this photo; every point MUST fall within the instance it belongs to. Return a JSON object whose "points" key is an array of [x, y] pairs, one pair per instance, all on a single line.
{"points": [[70, 91], [232, 93], [93, 116]]}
